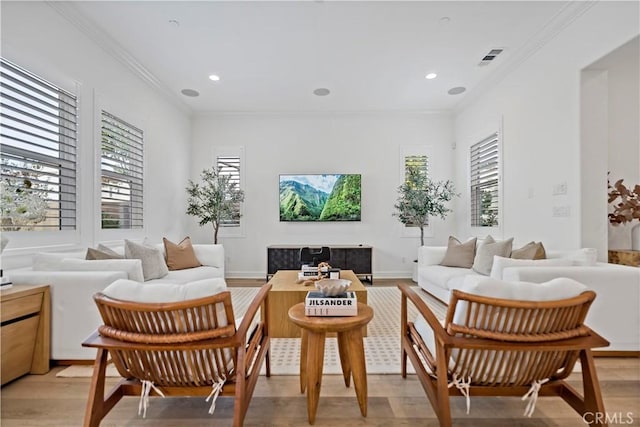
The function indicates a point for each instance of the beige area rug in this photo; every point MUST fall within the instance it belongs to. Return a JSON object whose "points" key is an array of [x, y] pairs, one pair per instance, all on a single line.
{"points": [[382, 345]]}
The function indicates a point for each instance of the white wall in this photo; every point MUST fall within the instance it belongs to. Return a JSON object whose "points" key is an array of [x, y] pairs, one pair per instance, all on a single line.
{"points": [[621, 100], [38, 38], [368, 144], [539, 106]]}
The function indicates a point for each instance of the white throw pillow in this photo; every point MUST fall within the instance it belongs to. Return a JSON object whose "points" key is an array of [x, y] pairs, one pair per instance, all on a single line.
{"points": [[556, 289], [584, 256], [153, 264], [211, 255], [487, 250], [50, 261], [128, 290], [133, 267], [500, 263]]}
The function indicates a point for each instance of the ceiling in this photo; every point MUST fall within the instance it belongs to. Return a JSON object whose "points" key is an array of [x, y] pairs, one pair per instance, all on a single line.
{"points": [[271, 56]]}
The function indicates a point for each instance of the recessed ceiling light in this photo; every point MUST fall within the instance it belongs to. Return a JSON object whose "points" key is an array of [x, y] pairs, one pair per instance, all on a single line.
{"points": [[456, 90], [214, 77], [190, 92], [445, 20], [431, 76], [321, 91]]}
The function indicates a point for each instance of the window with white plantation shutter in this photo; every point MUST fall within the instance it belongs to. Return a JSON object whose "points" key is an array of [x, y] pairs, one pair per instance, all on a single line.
{"points": [[484, 182], [421, 163], [230, 165], [122, 161], [38, 127]]}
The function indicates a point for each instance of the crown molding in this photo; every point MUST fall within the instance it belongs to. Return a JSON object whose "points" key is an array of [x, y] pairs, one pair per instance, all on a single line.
{"points": [[71, 13], [309, 113], [561, 20]]}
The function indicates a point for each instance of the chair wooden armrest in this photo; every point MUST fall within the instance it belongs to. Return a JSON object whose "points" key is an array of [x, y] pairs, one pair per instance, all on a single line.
{"points": [[259, 301], [425, 311], [441, 337]]}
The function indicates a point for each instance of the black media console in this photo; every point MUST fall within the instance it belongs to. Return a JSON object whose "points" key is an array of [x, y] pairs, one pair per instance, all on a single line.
{"points": [[345, 257]]}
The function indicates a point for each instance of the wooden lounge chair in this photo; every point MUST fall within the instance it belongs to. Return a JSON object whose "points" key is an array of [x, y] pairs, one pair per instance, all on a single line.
{"points": [[187, 348], [502, 347]]}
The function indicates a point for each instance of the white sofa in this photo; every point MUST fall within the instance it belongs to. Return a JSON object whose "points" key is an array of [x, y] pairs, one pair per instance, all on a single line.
{"points": [[74, 315], [615, 313]]}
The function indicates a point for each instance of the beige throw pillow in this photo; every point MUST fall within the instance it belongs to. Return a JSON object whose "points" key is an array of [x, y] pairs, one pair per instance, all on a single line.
{"points": [[459, 254], [487, 250], [153, 265], [531, 250], [180, 256], [100, 253]]}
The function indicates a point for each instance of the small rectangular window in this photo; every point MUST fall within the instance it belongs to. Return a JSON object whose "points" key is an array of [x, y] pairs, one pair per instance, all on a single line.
{"points": [[38, 124], [122, 161], [420, 162], [230, 165], [484, 176]]}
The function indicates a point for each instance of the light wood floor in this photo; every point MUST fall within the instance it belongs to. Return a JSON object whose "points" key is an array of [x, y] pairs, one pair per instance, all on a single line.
{"points": [[44, 400]]}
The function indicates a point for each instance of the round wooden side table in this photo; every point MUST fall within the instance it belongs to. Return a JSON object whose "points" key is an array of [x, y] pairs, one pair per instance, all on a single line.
{"points": [[350, 347]]}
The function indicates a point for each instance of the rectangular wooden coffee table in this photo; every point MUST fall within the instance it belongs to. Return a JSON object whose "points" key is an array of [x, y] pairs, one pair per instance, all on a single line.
{"points": [[287, 292]]}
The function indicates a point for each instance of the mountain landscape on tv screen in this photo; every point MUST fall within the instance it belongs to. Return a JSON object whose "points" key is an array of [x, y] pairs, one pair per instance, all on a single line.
{"points": [[304, 202]]}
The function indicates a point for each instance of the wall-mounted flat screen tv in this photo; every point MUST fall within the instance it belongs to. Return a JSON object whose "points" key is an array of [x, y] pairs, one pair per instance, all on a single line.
{"points": [[328, 197]]}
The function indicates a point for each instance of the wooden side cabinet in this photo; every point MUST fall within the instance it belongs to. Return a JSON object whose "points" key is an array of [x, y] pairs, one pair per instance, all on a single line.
{"points": [[624, 257], [25, 332]]}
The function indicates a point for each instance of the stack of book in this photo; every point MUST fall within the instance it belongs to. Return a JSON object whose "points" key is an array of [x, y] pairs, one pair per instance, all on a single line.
{"points": [[317, 304], [308, 273]]}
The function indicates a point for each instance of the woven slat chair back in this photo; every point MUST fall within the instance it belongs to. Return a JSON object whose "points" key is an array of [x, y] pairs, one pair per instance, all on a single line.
{"points": [[518, 322], [171, 329]]}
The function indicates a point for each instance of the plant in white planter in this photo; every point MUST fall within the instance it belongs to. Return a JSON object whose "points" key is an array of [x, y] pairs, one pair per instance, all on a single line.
{"points": [[625, 208], [419, 198], [215, 200]]}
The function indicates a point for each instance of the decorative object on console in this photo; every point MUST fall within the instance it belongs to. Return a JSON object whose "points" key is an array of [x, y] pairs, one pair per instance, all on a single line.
{"points": [[4, 280], [314, 256], [320, 197], [216, 200], [180, 256], [420, 198], [627, 209]]}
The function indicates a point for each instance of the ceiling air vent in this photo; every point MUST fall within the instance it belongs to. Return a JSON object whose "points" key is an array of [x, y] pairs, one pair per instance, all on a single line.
{"points": [[490, 57]]}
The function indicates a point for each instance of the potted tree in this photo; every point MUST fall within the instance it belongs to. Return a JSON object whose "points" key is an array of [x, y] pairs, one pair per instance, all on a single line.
{"points": [[215, 200], [419, 198]]}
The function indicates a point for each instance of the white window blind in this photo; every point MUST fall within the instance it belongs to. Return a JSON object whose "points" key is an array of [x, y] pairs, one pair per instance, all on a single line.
{"points": [[38, 130], [122, 161], [420, 162], [484, 182], [230, 166]]}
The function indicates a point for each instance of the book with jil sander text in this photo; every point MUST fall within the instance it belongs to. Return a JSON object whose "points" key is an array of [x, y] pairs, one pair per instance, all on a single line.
{"points": [[317, 304]]}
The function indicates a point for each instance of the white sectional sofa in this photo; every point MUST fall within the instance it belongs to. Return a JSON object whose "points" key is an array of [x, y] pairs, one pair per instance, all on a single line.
{"points": [[73, 282], [615, 313]]}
